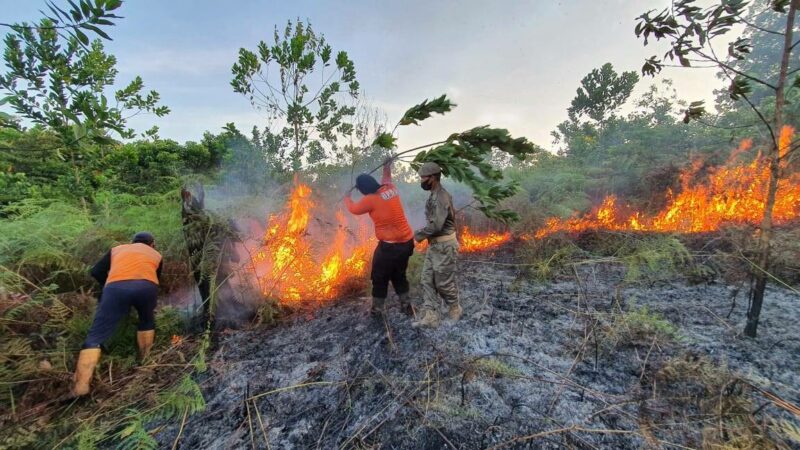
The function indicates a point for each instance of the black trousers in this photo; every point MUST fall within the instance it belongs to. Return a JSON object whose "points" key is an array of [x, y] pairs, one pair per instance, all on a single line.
{"points": [[389, 263], [116, 301]]}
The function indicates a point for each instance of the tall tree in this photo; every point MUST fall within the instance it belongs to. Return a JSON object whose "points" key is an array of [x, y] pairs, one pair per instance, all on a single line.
{"points": [[314, 111], [58, 78], [602, 92], [693, 34]]}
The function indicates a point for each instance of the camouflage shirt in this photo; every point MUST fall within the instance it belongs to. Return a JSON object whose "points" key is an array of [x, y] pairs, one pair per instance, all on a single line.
{"points": [[440, 216]]}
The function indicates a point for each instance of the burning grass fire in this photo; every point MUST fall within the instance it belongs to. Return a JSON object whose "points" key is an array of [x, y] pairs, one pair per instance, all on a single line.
{"points": [[733, 193], [479, 243], [294, 269], [297, 269]]}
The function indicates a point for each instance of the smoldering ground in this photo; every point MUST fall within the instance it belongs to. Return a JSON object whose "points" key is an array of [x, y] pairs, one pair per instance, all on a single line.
{"points": [[530, 365]]}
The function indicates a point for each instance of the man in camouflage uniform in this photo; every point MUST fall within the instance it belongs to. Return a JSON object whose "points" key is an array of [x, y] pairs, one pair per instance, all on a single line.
{"points": [[439, 268], [210, 243]]}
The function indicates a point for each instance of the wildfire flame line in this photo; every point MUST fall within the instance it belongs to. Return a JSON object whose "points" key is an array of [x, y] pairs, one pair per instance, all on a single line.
{"points": [[733, 193], [297, 273], [287, 264], [297, 270]]}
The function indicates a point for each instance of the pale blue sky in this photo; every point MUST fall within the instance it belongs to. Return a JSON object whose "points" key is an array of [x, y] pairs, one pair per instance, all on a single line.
{"points": [[509, 64]]}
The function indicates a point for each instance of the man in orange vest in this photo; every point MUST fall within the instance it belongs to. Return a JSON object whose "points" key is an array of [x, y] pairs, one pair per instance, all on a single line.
{"points": [[129, 275], [395, 238]]}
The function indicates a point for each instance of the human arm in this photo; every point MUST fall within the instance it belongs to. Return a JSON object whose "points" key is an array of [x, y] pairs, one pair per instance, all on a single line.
{"points": [[387, 171], [100, 270], [363, 206], [436, 211], [158, 270]]}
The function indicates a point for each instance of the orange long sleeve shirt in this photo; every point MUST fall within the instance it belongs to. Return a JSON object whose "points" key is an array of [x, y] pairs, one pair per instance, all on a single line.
{"points": [[385, 210]]}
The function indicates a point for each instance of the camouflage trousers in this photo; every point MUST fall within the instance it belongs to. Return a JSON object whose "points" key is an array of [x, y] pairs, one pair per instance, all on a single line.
{"points": [[439, 275]]}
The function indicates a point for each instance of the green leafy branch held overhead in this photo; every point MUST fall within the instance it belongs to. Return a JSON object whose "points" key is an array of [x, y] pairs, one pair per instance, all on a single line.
{"points": [[466, 156]]}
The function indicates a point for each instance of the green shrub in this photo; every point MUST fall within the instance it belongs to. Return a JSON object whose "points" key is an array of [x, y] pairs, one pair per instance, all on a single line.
{"points": [[40, 242], [550, 257], [637, 327]]}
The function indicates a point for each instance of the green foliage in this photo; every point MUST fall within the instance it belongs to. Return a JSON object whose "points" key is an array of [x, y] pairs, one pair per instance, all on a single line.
{"points": [[495, 368], [142, 166], [548, 258], [60, 80], [317, 114], [133, 436], [637, 327], [464, 157], [87, 438], [385, 140], [199, 361], [41, 241], [424, 110], [601, 93], [651, 257], [250, 165], [185, 397], [89, 17]]}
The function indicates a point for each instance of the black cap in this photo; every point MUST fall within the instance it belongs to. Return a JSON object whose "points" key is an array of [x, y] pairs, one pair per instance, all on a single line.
{"points": [[366, 184], [143, 237]]}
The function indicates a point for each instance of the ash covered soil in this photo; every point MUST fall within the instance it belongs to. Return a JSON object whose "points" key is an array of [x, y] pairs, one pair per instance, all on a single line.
{"points": [[530, 365]]}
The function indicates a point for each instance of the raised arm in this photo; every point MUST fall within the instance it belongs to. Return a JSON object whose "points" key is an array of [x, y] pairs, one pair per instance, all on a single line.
{"points": [[363, 206], [387, 172]]}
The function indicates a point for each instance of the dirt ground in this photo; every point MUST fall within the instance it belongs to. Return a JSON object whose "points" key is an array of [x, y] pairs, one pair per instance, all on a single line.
{"points": [[526, 367]]}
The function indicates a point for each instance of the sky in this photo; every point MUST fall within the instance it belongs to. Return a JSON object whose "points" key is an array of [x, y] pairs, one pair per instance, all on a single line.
{"points": [[510, 64]]}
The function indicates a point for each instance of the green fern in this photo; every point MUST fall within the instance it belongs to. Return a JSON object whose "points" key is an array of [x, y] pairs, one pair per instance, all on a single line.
{"points": [[87, 438], [59, 316], [199, 360], [133, 436], [183, 398], [788, 429], [656, 257]]}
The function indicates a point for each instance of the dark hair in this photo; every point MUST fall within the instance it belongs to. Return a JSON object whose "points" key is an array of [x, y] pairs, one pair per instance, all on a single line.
{"points": [[143, 237], [366, 184]]}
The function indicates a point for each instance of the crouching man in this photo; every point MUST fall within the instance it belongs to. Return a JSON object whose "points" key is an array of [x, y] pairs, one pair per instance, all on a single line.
{"points": [[129, 275], [439, 268]]}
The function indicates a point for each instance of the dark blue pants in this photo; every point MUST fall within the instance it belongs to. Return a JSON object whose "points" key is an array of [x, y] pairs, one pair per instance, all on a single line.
{"points": [[116, 301]]}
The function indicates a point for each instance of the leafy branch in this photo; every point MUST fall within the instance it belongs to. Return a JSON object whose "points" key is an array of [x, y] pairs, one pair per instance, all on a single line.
{"points": [[465, 156], [82, 16]]}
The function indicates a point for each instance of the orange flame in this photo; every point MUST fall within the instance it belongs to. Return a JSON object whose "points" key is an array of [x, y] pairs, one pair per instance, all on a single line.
{"points": [[734, 193], [293, 270], [471, 242], [300, 271]]}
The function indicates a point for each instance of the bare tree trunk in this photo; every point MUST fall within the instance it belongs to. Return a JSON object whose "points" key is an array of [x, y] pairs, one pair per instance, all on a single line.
{"points": [[757, 300]]}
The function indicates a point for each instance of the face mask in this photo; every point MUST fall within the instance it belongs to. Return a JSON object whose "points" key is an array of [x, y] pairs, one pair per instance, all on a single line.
{"points": [[426, 185]]}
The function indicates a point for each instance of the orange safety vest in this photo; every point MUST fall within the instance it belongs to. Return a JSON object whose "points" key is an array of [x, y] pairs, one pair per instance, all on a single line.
{"points": [[134, 262]]}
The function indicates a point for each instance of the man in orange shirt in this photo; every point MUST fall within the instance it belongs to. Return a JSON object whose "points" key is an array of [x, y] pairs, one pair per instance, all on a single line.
{"points": [[129, 275], [395, 238]]}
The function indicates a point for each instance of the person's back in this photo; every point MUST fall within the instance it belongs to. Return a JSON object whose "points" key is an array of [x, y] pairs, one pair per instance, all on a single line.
{"points": [[386, 211], [129, 275], [396, 239], [136, 261]]}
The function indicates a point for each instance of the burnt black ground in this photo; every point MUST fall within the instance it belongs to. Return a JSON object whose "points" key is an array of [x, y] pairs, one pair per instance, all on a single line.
{"points": [[335, 378]]}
